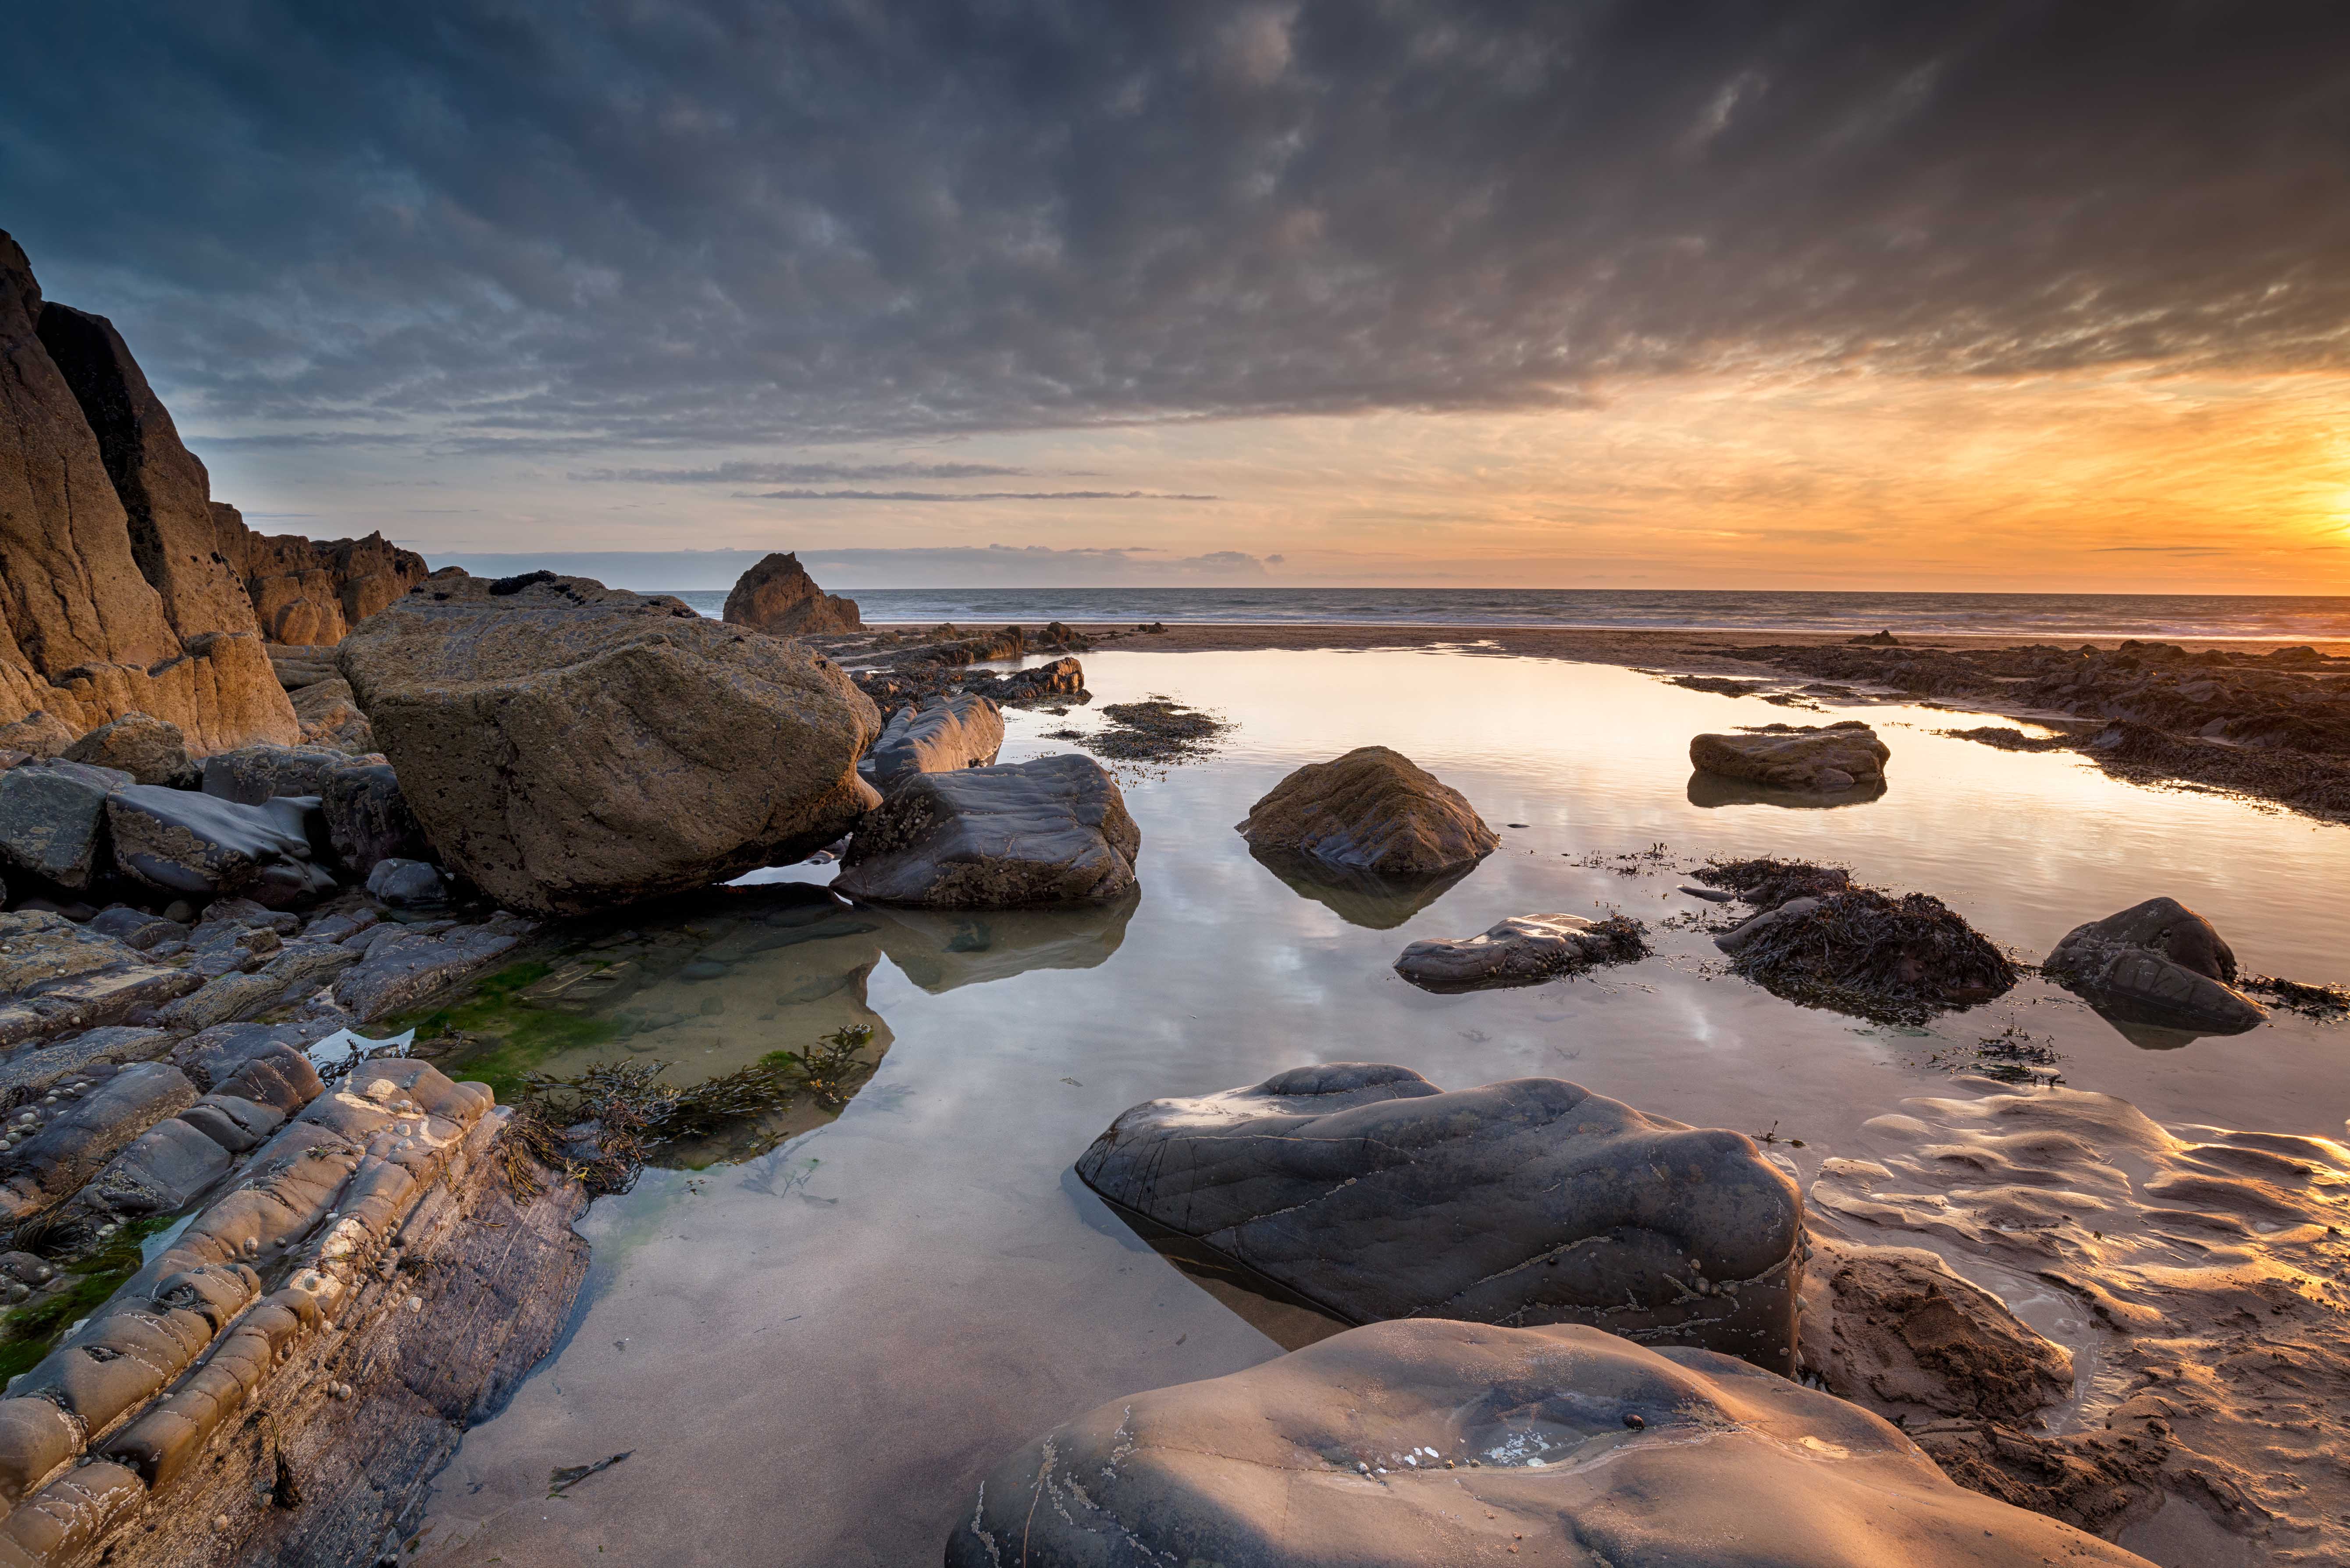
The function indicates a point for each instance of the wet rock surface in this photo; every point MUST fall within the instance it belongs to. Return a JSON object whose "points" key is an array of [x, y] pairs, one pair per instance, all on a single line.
{"points": [[1372, 1193], [1373, 810], [1053, 830], [2158, 963], [1818, 759], [566, 746], [938, 734], [1406, 1444], [1523, 949]]}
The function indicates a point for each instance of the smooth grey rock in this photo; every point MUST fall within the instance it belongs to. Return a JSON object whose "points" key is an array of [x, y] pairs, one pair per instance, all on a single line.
{"points": [[1825, 758], [252, 775], [53, 820], [215, 1057], [1744, 933], [1523, 949], [247, 915], [29, 1071], [961, 729], [78, 1137], [1050, 831], [1371, 1192], [184, 842], [1407, 1445], [368, 818], [150, 750], [2157, 963], [136, 929], [408, 885], [1372, 810]]}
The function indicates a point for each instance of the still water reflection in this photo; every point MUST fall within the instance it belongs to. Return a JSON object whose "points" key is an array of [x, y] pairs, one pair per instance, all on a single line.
{"points": [[813, 1353]]}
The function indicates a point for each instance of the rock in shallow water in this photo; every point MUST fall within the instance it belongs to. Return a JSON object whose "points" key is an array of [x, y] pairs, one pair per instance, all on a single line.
{"points": [[1371, 810], [2159, 963], [1825, 758], [1367, 1189], [569, 747], [1050, 831], [1525, 949], [1410, 1444], [937, 735]]}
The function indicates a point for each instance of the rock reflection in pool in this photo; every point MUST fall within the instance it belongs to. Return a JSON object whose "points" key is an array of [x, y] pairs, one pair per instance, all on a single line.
{"points": [[1710, 790], [1288, 1319], [717, 983], [1358, 898]]}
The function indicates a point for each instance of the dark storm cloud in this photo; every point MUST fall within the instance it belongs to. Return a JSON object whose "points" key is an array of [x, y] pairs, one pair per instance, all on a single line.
{"points": [[719, 220]]}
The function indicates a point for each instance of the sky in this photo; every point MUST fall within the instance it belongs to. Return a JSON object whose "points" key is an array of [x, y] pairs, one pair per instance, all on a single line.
{"points": [[1982, 297]]}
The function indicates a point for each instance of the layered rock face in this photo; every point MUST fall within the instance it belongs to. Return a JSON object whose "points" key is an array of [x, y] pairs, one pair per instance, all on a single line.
{"points": [[113, 600], [1372, 810], [1407, 1444], [568, 746], [1369, 1192], [937, 734], [312, 591], [778, 596]]}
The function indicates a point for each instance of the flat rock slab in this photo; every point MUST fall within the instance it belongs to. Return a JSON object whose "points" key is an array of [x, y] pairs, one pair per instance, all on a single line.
{"points": [[63, 1146], [403, 968], [53, 820], [26, 1073], [2157, 963], [1369, 1191], [937, 735], [1372, 810], [1405, 1445], [1823, 759], [1523, 949], [1051, 831], [57, 977]]}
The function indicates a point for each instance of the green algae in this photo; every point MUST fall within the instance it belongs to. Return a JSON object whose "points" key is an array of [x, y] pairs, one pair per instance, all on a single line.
{"points": [[520, 1033], [30, 1332]]}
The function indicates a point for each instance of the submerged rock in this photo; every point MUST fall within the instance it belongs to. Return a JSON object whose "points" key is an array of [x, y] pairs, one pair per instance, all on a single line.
{"points": [[569, 747], [1371, 810], [1051, 831], [2157, 963], [149, 749], [1369, 1192], [1523, 949], [1823, 759], [778, 598], [185, 842], [53, 820], [938, 734], [1409, 1444]]}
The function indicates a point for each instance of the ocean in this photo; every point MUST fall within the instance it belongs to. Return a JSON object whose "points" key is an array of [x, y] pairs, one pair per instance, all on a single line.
{"points": [[2314, 617]]}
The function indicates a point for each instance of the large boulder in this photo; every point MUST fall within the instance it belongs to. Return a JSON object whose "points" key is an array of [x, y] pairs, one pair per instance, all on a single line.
{"points": [[251, 775], [568, 746], [1371, 1192], [368, 818], [1820, 759], [184, 842], [938, 734], [53, 820], [1051, 831], [2157, 963], [1523, 949], [1410, 1444], [150, 750], [777, 597], [1371, 810]]}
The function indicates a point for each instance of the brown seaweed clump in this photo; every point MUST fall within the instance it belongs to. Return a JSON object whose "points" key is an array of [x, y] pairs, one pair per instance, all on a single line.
{"points": [[1157, 730], [1767, 883]]}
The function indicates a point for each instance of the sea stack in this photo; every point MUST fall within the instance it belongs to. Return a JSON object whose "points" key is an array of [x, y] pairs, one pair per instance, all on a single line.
{"points": [[778, 596]]}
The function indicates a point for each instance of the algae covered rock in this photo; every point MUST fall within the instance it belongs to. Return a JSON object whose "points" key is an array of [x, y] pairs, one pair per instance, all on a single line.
{"points": [[1374, 1194], [2158, 963], [1404, 1445], [1371, 810], [1523, 949], [569, 747], [1051, 831], [1823, 759]]}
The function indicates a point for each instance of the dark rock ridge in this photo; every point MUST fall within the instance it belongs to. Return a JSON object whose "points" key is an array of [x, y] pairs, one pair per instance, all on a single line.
{"points": [[1367, 1191], [566, 746], [2157, 963], [1372, 810], [1408, 1444], [1053, 830], [778, 596]]}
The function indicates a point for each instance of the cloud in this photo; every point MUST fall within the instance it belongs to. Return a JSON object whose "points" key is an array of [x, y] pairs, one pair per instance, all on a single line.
{"points": [[998, 565], [511, 224], [972, 495], [795, 472]]}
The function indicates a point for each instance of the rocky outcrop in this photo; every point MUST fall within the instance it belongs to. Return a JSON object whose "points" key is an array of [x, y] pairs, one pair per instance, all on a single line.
{"points": [[88, 637], [777, 597], [2157, 963], [1408, 1444], [331, 717], [938, 734], [566, 746], [53, 820], [1823, 759], [1051, 831], [313, 591], [150, 750], [1374, 1194], [180, 841], [57, 977], [1372, 810], [1523, 949]]}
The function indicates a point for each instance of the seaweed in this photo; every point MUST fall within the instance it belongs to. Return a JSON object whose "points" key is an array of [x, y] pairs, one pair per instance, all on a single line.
{"points": [[2326, 1003], [831, 1069], [1158, 730], [1767, 883], [524, 1032], [1888, 960]]}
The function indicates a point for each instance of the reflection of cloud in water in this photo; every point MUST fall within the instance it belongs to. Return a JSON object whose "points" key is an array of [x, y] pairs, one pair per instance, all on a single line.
{"points": [[1710, 789], [1358, 898]]}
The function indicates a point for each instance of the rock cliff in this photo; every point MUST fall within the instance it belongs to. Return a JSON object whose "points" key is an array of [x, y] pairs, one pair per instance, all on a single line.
{"points": [[778, 596]]}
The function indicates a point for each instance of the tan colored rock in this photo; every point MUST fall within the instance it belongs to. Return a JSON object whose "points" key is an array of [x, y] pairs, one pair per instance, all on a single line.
{"points": [[1824, 758], [568, 746], [150, 750], [39, 733], [1371, 810], [313, 591], [778, 596], [331, 717]]}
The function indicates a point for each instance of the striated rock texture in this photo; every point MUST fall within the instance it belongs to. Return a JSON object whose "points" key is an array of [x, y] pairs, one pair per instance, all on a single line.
{"points": [[1053, 830], [2159, 963], [777, 597], [96, 494], [1409, 1444], [937, 734], [568, 746], [1825, 759], [309, 591], [1367, 1189], [1371, 810]]}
